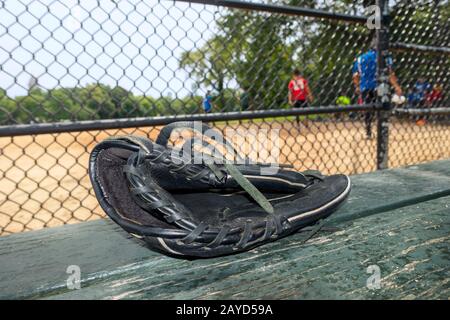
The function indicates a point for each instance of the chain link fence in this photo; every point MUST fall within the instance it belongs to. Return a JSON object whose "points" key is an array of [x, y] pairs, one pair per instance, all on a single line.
{"points": [[74, 72]]}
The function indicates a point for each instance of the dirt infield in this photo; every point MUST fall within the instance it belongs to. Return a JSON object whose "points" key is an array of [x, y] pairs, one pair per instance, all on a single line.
{"points": [[44, 182]]}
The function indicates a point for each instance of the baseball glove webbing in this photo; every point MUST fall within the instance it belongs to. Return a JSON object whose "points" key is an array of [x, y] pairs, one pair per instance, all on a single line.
{"points": [[207, 207]]}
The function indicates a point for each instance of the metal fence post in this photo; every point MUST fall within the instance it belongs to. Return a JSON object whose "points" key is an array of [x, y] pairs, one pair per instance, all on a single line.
{"points": [[382, 36]]}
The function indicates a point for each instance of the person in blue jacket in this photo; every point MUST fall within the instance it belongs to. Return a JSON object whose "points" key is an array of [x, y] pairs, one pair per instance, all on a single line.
{"points": [[207, 102], [365, 81]]}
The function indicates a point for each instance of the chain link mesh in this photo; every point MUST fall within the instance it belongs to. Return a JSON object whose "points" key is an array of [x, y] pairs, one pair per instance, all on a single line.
{"points": [[91, 60]]}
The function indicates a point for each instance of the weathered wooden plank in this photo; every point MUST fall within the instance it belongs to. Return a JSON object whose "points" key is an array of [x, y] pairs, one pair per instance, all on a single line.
{"points": [[439, 166], [410, 246], [35, 263], [389, 189]]}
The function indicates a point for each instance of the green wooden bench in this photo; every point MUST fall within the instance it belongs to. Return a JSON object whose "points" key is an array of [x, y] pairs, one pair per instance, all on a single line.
{"points": [[395, 221]]}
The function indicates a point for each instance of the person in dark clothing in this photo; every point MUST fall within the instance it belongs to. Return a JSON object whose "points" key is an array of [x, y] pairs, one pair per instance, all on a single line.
{"points": [[244, 99]]}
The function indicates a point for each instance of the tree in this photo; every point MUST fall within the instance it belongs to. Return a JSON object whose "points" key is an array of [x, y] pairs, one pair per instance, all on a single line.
{"points": [[259, 50], [32, 83], [209, 65]]}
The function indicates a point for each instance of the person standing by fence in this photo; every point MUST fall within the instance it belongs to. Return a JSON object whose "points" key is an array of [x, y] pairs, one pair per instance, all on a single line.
{"points": [[365, 81], [299, 92], [423, 88], [207, 102], [434, 97], [342, 101], [244, 99]]}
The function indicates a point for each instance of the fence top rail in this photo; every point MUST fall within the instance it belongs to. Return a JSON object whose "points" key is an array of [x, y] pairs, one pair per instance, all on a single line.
{"points": [[282, 9], [400, 46], [444, 110], [69, 126]]}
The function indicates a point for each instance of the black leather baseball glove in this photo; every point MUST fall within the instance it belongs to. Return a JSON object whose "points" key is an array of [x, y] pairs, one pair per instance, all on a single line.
{"points": [[197, 204]]}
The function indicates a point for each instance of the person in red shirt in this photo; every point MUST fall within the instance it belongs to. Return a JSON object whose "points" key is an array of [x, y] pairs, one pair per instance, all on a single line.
{"points": [[299, 92], [434, 96]]}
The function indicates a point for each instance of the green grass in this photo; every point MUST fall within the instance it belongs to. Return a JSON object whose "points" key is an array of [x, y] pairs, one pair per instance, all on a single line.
{"points": [[272, 119]]}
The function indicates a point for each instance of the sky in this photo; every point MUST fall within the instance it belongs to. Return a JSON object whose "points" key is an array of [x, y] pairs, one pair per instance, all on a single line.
{"points": [[134, 44]]}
